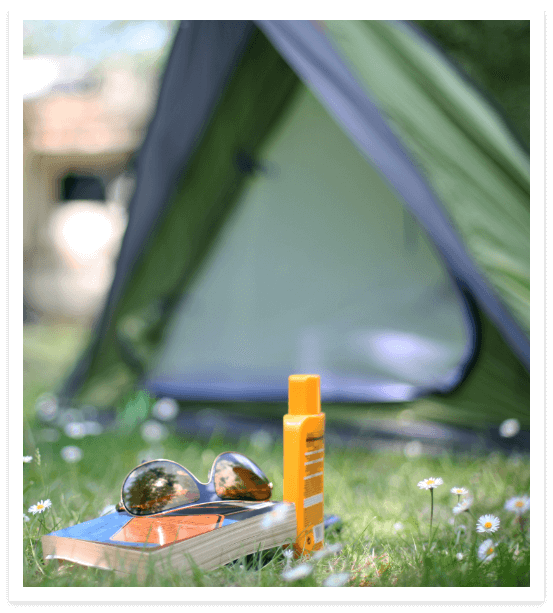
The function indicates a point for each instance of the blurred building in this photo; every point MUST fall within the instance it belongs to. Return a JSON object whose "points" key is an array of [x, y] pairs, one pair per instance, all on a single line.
{"points": [[81, 131]]}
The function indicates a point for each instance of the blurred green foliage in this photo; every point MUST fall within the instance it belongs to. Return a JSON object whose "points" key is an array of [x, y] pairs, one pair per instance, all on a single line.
{"points": [[496, 56]]}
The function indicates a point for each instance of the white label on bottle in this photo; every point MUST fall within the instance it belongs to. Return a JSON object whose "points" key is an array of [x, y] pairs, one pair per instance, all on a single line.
{"points": [[309, 502], [319, 532], [316, 451]]}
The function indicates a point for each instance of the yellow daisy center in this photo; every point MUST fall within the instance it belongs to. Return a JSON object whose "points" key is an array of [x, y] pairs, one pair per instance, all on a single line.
{"points": [[519, 503], [490, 550], [40, 506], [430, 481], [488, 524]]}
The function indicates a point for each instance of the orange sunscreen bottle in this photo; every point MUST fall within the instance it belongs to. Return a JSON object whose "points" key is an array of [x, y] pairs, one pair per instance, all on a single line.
{"points": [[304, 427]]}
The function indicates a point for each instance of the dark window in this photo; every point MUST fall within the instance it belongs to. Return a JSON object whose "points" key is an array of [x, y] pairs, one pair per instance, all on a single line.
{"points": [[82, 187]]}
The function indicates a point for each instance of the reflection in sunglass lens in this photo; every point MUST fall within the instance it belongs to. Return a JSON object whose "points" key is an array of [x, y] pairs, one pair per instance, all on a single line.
{"points": [[158, 486], [237, 478]]}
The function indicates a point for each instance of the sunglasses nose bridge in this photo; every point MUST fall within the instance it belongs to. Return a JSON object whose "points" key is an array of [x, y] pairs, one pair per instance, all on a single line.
{"points": [[207, 492]]}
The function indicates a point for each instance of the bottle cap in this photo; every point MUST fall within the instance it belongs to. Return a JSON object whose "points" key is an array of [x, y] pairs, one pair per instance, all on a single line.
{"points": [[304, 394]]}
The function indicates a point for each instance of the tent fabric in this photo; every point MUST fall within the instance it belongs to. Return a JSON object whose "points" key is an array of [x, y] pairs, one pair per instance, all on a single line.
{"points": [[411, 335], [203, 159], [203, 56], [474, 164], [310, 54]]}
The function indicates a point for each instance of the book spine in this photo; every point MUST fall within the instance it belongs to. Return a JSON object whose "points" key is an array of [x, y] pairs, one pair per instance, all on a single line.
{"points": [[304, 428]]}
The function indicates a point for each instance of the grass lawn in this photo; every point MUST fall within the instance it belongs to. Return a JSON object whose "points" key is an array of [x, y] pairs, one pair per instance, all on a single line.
{"points": [[385, 532], [385, 536]]}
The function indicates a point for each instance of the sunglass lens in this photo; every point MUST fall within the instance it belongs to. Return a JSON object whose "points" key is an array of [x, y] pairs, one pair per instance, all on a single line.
{"points": [[237, 478], [158, 486]]}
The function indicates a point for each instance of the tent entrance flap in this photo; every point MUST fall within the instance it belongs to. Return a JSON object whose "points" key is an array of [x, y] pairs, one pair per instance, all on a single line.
{"points": [[318, 269]]}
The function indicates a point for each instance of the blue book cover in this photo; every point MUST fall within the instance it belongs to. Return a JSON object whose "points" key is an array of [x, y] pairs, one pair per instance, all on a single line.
{"points": [[212, 534]]}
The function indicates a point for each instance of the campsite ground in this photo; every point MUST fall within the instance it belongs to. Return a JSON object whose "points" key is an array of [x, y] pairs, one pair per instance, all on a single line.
{"points": [[384, 537]]}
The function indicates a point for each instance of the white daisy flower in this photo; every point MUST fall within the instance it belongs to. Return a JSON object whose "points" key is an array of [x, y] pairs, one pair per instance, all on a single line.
{"points": [[398, 526], [276, 516], [336, 580], [487, 523], [430, 484], [75, 429], [26, 517], [463, 505], [27, 459], [412, 449], [71, 454], [460, 491], [299, 572], [459, 556], [288, 554], [327, 550], [509, 428], [518, 504], [40, 507], [153, 431], [486, 551], [165, 409]]}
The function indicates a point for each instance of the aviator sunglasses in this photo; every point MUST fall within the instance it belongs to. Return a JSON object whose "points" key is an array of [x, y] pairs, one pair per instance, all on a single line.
{"points": [[162, 485]]}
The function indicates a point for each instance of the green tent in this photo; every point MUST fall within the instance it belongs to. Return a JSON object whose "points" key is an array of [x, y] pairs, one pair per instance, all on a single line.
{"points": [[330, 197]]}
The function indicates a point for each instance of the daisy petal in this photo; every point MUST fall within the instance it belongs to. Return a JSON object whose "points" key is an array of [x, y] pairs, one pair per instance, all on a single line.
{"points": [[518, 504], [486, 551], [430, 484], [487, 523]]}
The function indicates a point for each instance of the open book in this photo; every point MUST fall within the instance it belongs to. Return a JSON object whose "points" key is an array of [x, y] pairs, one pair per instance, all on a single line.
{"points": [[208, 535]]}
